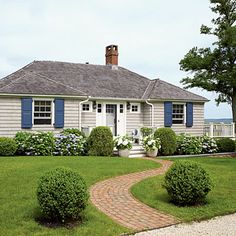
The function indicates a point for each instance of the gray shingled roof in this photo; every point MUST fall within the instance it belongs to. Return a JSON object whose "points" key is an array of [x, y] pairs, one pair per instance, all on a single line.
{"points": [[105, 81]]}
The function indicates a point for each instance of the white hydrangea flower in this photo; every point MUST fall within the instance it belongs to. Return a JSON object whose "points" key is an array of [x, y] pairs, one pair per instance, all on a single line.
{"points": [[150, 142], [125, 142]]}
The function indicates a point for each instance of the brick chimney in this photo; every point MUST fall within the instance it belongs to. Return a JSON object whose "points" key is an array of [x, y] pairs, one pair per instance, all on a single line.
{"points": [[112, 55]]}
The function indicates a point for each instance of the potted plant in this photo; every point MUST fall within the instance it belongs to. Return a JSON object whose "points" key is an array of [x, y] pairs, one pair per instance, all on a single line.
{"points": [[123, 145], [151, 145]]}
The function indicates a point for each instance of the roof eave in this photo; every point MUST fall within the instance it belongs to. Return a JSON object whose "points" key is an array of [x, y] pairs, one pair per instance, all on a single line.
{"points": [[41, 95], [177, 100]]}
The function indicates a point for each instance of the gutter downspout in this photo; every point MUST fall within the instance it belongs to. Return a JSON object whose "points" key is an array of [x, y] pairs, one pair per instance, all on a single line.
{"points": [[152, 111], [80, 103]]}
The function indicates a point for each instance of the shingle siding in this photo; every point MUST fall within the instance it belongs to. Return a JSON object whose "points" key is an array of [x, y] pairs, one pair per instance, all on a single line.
{"points": [[147, 115], [10, 117], [88, 119], [198, 122], [198, 119], [134, 120], [71, 113], [158, 114]]}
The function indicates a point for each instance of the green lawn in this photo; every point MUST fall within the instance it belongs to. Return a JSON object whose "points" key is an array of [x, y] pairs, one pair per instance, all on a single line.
{"points": [[221, 200], [18, 182]]}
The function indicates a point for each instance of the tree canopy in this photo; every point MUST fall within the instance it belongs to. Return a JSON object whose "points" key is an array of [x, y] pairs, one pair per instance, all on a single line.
{"points": [[214, 68]]}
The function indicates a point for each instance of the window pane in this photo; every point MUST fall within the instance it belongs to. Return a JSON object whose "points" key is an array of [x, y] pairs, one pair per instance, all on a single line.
{"points": [[99, 108], [42, 114], [85, 107], [42, 121], [121, 108], [134, 108], [178, 113]]}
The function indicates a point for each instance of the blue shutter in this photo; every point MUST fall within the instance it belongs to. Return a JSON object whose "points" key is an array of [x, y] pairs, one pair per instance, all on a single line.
{"points": [[189, 114], [168, 114], [59, 113], [26, 113]]}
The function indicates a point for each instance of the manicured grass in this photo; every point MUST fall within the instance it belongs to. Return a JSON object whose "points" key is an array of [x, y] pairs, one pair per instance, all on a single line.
{"points": [[18, 183], [221, 200]]}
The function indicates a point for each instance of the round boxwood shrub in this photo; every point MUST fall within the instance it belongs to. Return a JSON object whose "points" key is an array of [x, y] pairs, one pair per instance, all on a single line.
{"points": [[100, 142], [8, 146], [62, 195], [187, 183], [225, 145], [168, 140]]}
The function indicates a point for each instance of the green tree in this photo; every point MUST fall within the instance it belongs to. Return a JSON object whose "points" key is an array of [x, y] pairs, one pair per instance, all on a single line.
{"points": [[214, 68]]}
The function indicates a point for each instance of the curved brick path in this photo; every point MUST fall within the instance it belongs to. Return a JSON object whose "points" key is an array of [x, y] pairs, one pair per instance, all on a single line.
{"points": [[112, 197]]}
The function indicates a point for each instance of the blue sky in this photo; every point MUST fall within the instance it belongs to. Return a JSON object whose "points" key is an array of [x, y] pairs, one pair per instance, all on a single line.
{"points": [[152, 35]]}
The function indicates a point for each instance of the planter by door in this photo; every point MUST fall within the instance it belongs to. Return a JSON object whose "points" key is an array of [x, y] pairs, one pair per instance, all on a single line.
{"points": [[124, 153], [152, 153]]}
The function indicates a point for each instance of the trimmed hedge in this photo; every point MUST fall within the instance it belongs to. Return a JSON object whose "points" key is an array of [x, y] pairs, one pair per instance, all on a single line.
{"points": [[225, 145], [187, 183], [62, 195], [168, 140], [8, 146], [100, 142]]}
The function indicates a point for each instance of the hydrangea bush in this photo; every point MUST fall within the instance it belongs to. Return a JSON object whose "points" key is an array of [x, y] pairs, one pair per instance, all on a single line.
{"points": [[69, 145], [36, 144], [123, 142], [150, 143], [208, 145], [189, 145], [22, 140]]}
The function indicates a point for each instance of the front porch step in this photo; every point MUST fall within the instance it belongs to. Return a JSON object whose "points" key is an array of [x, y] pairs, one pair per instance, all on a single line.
{"points": [[136, 151], [131, 155]]}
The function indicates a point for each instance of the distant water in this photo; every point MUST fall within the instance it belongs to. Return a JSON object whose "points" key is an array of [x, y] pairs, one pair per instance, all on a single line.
{"points": [[224, 120]]}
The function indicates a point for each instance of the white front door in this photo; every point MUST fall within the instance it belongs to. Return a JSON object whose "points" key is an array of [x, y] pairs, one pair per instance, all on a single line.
{"points": [[111, 117]]}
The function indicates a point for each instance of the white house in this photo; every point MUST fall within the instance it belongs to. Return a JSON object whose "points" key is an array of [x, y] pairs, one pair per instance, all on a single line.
{"points": [[50, 96]]}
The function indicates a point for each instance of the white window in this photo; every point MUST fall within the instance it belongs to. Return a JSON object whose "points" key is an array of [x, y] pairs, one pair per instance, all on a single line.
{"points": [[42, 112], [135, 108], [178, 114], [86, 107]]}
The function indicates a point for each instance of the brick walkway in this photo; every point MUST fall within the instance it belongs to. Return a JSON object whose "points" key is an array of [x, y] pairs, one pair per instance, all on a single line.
{"points": [[112, 197]]}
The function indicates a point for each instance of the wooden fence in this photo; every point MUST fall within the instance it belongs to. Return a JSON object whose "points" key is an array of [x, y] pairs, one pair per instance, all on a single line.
{"points": [[216, 130]]}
